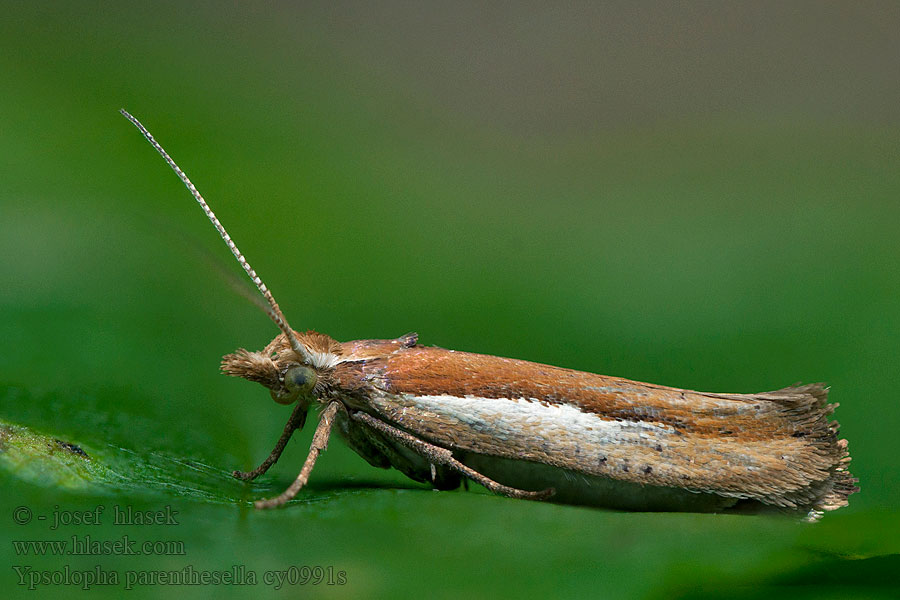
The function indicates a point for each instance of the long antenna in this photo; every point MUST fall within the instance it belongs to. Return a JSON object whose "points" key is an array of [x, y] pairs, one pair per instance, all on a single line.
{"points": [[273, 310]]}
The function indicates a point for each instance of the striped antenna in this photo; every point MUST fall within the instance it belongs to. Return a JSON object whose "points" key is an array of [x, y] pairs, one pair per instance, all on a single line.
{"points": [[272, 310]]}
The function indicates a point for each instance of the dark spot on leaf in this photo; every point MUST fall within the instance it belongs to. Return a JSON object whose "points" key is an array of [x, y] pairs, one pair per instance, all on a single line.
{"points": [[71, 448]]}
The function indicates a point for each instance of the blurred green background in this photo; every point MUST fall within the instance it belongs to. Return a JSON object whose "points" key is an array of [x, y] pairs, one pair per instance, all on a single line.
{"points": [[703, 195]]}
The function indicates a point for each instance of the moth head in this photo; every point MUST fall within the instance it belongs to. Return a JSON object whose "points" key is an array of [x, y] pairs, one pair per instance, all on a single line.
{"points": [[287, 375]]}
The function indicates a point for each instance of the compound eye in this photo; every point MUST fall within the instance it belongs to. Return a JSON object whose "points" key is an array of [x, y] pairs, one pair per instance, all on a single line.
{"points": [[300, 379]]}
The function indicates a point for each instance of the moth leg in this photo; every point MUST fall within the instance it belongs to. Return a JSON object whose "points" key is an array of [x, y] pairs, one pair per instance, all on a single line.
{"points": [[319, 443], [381, 451], [295, 422], [442, 456]]}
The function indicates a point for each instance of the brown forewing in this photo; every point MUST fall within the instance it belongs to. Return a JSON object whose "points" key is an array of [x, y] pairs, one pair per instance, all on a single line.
{"points": [[786, 430]]}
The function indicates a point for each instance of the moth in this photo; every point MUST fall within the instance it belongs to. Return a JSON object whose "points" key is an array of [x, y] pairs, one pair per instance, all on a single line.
{"points": [[528, 430]]}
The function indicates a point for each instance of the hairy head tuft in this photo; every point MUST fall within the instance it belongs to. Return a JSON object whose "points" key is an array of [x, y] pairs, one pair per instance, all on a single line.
{"points": [[255, 366]]}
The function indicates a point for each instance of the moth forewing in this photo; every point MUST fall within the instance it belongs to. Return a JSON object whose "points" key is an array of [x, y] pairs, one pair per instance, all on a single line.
{"points": [[614, 442], [528, 430]]}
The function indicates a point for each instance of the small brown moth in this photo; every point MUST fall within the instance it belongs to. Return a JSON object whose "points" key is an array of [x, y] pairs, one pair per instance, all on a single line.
{"points": [[527, 430]]}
